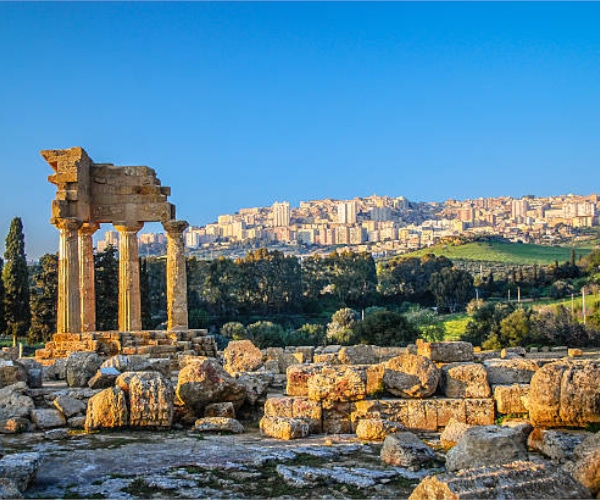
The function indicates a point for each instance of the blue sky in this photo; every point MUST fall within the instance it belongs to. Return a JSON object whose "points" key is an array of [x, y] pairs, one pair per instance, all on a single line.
{"points": [[243, 104]]}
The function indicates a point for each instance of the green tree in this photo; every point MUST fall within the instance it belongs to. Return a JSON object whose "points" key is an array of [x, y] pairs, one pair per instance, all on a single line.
{"points": [[106, 267], [384, 328], [353, 277], [307, 334], [515, 330], [17, 311], [427, 322], [2, 298], [485, 322], [266, 334], [147, 323], [452, 288], [223, 288], [339, 331], [234, 331], [44, 296]]}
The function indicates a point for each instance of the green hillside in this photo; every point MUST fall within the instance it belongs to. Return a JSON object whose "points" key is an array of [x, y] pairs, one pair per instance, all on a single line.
{"points": [[517, 253]]}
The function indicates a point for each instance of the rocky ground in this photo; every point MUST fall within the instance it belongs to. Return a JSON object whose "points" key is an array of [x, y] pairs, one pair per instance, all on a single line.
{"points": [[180, 464]]}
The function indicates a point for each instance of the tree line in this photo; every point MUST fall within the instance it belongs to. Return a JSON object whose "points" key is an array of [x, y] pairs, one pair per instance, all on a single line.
{"points": [[267, 286]]}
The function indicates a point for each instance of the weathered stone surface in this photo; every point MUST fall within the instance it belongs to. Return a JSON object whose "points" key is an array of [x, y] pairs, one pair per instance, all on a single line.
{"points": [[284, 427], [512, 481], [556, 445], [304, 354], [76, 422], [358, 355], [338, 383], [376, 429], [411, 376], [8, 489], [242, 356], [47, 418], [511, 352], [107, 410], [445, 352], [336, 417], [56, 371], [297, 378], [218, 424], [453, 433], [14, 403], [104, 377], [465, 380], [220, 410], [56, 434], [81, 367], [510, 399], [565, 393], [510, 371], [11, 372], [256, 385], [487, 445], [35, 372], [68, 406], [21, 468], [150, 400], [15, 425], [425, 414], [297, 407], [404, 449], [204, 381], [586, 468]]}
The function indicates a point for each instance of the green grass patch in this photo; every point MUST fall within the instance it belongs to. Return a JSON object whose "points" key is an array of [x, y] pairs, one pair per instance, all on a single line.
{"points": [[455, 325], [514, 253]]}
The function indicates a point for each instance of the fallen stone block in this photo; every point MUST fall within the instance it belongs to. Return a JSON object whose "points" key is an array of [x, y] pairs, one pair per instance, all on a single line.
{"points": [[453, 433], [586, 468], [487, 445], [226, 410], [510, 371], [284, 428], [512, 481], [357, 355], [465, 380], [47, 418], [556, 445], [242, 356], [376, 429], [218, 424], [107, 410], [445, 352], [510, 399], [68, 406], [8, 489], [404, 449], [411, 376], [565, 393]]}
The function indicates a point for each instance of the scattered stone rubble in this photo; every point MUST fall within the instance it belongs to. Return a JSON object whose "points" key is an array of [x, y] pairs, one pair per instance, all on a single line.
{"points": [[398, 400]]}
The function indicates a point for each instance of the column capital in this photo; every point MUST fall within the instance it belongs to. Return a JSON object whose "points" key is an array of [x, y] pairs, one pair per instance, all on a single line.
{"points": [[67, 223], [89, 228], [128, 227], [175, 226]]}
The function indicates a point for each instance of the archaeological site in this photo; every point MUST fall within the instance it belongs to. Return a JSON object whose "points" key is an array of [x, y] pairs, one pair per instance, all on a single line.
{"points": [[165, 414]]}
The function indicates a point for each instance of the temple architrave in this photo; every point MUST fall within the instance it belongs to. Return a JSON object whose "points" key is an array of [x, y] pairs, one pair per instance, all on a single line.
{"points": [[90, 194]]}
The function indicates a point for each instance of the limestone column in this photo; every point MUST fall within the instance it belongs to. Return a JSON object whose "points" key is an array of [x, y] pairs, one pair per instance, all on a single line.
{"points": [[68, 315], [177, 309], [130, 306], [87, 289]]}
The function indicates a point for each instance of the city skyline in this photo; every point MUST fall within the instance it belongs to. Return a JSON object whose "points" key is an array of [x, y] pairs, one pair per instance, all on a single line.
{"points": [[246, 104]]}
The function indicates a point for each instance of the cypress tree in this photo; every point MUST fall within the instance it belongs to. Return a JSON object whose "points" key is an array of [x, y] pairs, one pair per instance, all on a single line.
{"points": [[2, 295], [145, 295], [44, 300], [16, 283], [107, 286]]}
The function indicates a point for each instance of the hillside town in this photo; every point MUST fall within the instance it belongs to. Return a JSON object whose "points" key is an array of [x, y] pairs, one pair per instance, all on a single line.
{"points": [[383, 225]]}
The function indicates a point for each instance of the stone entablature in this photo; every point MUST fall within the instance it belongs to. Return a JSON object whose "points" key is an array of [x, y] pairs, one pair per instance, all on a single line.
{"points": [[89, 194]]}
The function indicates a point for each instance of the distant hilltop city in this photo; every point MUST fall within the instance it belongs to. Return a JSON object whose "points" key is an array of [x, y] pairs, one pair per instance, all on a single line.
{"points": [[383, 225]]}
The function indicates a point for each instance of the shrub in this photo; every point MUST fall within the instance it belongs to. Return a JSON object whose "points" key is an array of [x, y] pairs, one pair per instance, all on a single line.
{"points": [[384, 328]]}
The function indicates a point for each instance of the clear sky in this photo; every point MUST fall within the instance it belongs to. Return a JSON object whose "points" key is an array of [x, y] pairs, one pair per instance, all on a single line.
{"points": [[243, 104]]}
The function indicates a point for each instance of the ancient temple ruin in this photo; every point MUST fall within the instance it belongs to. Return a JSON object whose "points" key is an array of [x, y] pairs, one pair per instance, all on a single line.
{"points": [[89, 194]]}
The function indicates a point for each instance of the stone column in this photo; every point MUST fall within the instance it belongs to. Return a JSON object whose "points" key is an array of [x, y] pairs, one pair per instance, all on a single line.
{"points": [[87, 289], [177, 309], [68, 315], [130, 306]]}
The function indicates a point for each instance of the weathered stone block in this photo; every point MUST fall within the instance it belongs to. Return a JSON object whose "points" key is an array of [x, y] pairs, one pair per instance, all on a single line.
{"points": [[339, 383], [411, 376], [445, 352], [510, 371], [218, 424], [453, 433], [357, 355], [465, 380], [47, 418], [220, 410], [297, 378], [565, 393], [242, 356], [513, 481], [510, 398], [107, 410], [376, 429], [150, 400], [404, 449], [284, 427], [296, 407], [336, 417]]}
